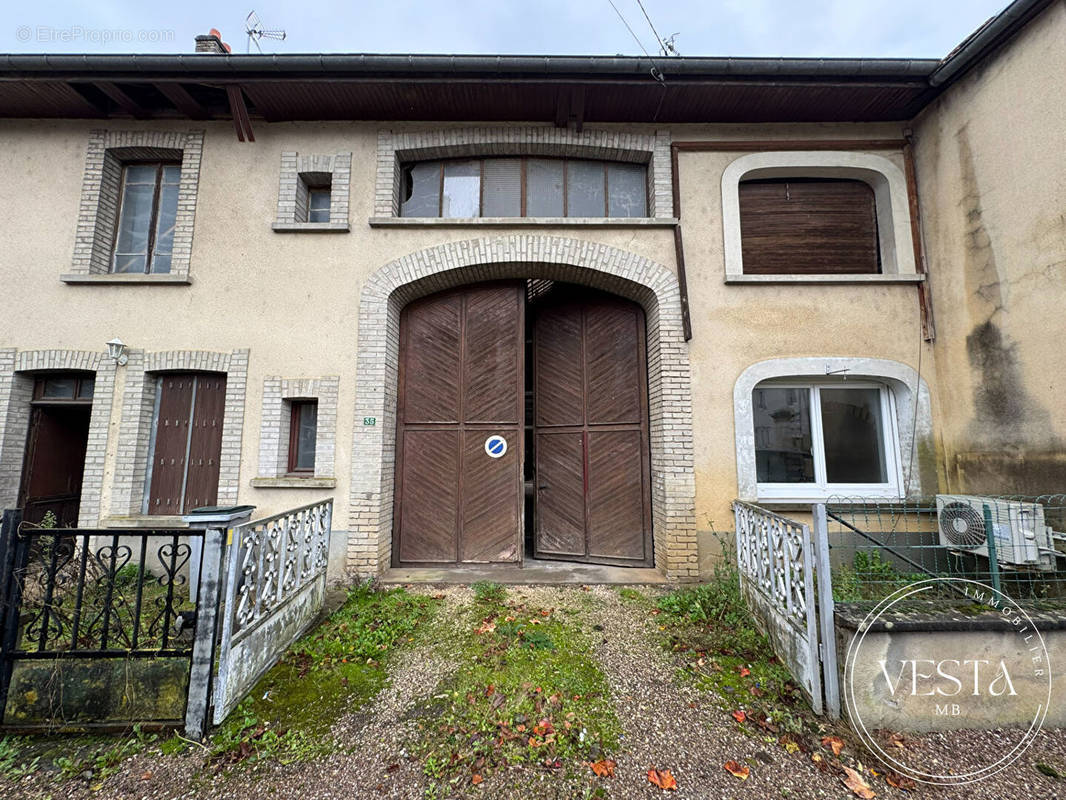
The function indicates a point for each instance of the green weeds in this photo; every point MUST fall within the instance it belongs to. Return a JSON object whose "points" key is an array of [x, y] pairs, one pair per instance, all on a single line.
{"points": [[333, 670], [528, 691]]}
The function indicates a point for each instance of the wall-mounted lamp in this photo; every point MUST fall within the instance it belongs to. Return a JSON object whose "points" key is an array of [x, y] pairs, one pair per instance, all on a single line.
{"points": [[116, 350]]}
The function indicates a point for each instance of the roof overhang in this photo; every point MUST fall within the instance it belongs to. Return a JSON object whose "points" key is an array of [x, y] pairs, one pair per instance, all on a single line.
{"points": [[561, 89]]}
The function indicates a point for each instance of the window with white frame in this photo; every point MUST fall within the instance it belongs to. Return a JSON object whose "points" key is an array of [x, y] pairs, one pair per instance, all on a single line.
{"points": [[816, 439]]}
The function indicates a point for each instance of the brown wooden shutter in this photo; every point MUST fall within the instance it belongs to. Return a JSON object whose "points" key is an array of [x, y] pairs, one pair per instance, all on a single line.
{"points": [[808, 226], [205, 443], [171, 444], [188, 442]]}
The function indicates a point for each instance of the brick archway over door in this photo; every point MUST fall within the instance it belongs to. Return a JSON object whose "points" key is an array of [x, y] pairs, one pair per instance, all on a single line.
{"points": [[399, 282]]}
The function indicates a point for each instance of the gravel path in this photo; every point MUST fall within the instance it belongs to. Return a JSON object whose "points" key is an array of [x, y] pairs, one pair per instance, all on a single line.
{"points": [[668, 724]]}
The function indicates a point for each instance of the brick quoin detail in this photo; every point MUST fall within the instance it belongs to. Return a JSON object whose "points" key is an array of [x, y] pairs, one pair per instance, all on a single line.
{"points": [[523, 256]]}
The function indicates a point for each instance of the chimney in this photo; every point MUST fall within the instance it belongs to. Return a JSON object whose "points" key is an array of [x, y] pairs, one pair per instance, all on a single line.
{"points": [[212, 43]]}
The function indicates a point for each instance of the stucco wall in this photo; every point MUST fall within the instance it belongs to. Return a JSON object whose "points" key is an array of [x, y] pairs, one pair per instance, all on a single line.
{"points": [[992, 182], [293, 299]]}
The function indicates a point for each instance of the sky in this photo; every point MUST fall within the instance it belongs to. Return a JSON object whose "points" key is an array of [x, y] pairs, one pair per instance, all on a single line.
{"points": [[827, 28]]}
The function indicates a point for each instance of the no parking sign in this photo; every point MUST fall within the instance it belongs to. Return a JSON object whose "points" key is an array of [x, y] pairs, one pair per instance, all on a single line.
{"points": [[495, 446]]}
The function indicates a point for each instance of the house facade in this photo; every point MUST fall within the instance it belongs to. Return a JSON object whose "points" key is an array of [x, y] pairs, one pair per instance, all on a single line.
{"points": [[518, 308]]}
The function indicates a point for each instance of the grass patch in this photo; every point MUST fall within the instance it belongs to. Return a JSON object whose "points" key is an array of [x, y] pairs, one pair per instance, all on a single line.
{"points": [[89, 756], [528, 692], [333, 670], [722, 650]]}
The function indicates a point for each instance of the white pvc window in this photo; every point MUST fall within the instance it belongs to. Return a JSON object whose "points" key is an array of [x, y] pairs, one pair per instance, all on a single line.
{"points": [[815, 440]]}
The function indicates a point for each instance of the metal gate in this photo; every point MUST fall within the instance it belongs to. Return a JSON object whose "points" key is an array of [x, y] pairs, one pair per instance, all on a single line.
{"points": [[781, 566], [98, 626]]}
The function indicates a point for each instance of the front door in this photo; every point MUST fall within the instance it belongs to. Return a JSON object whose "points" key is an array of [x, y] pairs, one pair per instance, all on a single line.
{"points": [[591, 429], [459, 427], [55, 448]]}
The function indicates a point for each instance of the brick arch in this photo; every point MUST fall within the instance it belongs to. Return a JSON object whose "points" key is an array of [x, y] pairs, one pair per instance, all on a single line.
{"points": [[399, 282]]}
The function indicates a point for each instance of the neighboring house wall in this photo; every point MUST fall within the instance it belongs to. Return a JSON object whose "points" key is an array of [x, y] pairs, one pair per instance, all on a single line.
{"points": [[293, 300], [992, 182]]}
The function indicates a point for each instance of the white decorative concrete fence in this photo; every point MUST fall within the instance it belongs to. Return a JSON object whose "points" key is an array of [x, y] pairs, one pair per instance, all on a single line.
{"points": [[274, 589], [778, 561]]}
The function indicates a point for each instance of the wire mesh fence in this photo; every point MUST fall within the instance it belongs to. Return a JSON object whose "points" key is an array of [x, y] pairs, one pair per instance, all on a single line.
{"points": [[1016, 544]]}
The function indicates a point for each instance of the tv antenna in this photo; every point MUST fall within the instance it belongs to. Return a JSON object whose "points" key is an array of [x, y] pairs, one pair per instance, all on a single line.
{"points": [[253, 26]]}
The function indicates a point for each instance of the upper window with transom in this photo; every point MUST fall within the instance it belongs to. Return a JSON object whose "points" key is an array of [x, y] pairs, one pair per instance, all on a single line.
{"points": [[144, 239], [524, 187]]}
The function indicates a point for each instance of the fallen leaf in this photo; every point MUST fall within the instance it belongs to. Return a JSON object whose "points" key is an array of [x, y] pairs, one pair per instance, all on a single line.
{"points": [[744, 672], [858, 786], [736, 770], [834, 743], [476, 779], [739, 716], [147, 776], [663, 779], [899, 781], [604, 768]]}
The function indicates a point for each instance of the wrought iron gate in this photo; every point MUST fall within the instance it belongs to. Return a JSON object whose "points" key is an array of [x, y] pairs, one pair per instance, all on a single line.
{"points": [[98, 626]]}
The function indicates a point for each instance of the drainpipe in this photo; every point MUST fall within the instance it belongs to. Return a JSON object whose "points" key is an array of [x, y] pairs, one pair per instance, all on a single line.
{"points": [[925, 297], [679, 245]]}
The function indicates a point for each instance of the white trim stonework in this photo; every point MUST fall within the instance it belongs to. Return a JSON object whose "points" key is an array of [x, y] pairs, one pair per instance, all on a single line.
{"points": [[396, 147], [17, 369], [135, 427], [298, 172], [890, 197], [274, 431], [523, 256], [914, 420], [101, 182]]}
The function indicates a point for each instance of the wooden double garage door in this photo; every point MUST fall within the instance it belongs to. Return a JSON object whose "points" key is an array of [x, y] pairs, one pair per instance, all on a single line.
{"points": [[467, 399]]}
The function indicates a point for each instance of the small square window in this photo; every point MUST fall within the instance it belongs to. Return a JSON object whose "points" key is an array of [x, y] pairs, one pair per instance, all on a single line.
{"points": [[318, 202], [303, 434]]}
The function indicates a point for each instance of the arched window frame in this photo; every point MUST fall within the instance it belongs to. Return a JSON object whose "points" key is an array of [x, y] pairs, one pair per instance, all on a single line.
{"points": [[890, 197], [911, 417]]}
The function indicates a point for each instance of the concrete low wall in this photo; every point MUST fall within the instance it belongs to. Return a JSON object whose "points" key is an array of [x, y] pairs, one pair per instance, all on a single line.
{"points": [[926, 672]]}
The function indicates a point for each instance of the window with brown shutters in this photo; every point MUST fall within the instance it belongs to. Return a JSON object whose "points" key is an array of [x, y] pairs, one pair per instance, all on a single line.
{"points": [[187, 442], [808, 226]]}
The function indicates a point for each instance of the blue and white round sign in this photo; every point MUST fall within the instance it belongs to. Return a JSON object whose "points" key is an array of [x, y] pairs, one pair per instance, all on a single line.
{"points": [[495, 446]]}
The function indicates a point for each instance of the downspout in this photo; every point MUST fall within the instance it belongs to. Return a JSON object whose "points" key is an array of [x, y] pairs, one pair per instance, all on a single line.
{"points": [[925, 296], [679, 245]]}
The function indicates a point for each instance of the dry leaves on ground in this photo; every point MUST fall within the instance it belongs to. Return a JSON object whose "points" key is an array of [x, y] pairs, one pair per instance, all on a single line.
{"points": [[736, 770], [663, 779], [834, 743], [604, 768], [853, 780]]}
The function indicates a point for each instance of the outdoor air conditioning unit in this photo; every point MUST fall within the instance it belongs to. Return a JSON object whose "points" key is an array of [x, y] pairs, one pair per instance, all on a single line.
{"points": [[1022, 539]]}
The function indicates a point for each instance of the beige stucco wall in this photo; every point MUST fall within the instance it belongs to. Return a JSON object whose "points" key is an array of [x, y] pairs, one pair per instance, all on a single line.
{"points": [[993, 196], [293, 298]]}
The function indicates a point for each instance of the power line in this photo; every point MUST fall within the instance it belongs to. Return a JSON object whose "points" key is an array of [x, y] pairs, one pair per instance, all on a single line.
{"points": [[655, 71], [658, 38]]}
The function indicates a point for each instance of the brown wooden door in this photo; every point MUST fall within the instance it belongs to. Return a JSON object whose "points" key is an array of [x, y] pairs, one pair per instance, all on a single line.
{"points": [[460, 382], [591, 430], [188, 442], [54, 463]]}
